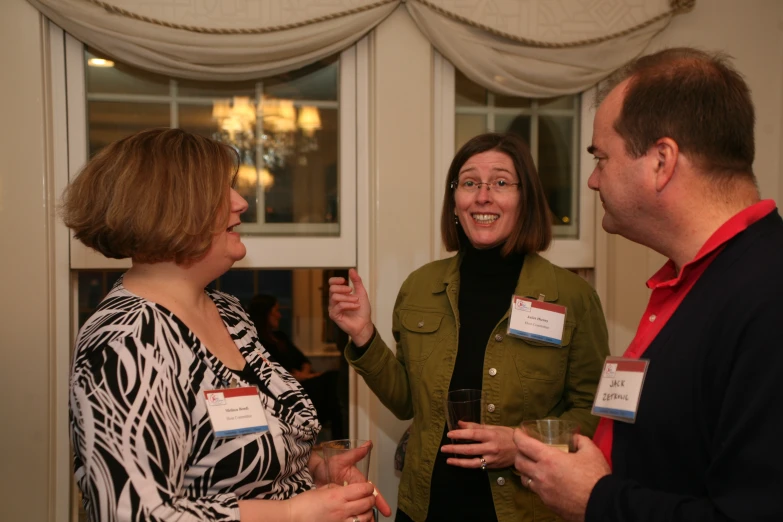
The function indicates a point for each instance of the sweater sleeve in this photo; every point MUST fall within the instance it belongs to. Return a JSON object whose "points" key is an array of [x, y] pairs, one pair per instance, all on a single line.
{"points": [[744, 477], [131, 432]]}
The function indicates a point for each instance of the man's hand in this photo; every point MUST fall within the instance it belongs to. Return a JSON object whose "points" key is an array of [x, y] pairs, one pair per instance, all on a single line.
{"points": [[564, 481]]}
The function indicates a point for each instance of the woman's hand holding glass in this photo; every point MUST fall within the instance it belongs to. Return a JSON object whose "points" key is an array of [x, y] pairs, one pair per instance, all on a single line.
{"points": [[350, 309], [494, 444], [340, 471], [336, 504]]}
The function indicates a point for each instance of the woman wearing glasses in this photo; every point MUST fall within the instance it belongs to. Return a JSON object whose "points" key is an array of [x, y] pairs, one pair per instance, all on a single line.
{"points": [[451, 326]]}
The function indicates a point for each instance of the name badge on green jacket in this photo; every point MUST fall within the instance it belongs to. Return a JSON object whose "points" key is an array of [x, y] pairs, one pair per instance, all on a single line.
{"points": [[537, 320]]}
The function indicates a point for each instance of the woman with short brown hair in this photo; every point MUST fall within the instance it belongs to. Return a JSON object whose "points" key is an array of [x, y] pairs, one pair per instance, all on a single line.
{"points": [[162, 365]]}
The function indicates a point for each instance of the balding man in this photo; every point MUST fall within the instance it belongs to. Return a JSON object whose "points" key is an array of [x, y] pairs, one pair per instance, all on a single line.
{"points": [[673, 141]]}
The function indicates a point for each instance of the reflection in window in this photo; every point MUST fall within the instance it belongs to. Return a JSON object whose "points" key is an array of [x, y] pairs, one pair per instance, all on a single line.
{"points": [[285, 129], [548, 126]]}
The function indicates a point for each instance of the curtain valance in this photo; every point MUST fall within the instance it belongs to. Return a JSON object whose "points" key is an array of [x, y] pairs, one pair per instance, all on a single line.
{"points": [[516, 47]]}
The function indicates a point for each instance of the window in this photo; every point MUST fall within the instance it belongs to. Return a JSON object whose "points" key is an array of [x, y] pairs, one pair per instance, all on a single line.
{"points": [[554, 128], [548, 126], [295, 134], [302, 296]]}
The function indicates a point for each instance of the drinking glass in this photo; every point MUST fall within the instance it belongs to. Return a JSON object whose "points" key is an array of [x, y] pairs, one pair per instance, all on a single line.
{"points": [[560, 434], [347, 460]]}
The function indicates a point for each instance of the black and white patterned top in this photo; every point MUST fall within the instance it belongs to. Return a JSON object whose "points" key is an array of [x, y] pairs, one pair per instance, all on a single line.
{"points": [[143, 443]]}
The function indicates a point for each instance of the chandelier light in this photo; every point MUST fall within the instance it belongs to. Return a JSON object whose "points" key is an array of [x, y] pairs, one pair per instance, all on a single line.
{"points": [[266, 131]]}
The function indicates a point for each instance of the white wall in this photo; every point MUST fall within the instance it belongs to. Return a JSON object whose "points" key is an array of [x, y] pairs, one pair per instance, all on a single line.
{"points": [[26, 355], [400, 233], [402, 213]]}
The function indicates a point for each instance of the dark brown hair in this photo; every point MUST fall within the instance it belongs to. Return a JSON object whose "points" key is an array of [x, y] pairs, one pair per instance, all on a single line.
{"points": [[158, 195], [693, 97], [533, 232], [259, 309]]}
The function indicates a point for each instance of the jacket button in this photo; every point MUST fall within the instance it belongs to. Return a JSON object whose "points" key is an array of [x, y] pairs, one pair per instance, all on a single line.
{"points": [[421, 323], [498, 338], [493, 372], [490, 408], [501, 481]]}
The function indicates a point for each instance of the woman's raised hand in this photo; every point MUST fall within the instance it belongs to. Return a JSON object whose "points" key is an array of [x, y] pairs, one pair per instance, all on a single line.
{"points": [[351, 309]]}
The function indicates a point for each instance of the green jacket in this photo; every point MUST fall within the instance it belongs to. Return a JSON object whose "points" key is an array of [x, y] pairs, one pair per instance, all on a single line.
{"points": [[522, 379]]}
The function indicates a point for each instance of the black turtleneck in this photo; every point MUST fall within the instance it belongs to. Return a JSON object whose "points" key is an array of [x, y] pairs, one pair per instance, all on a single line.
{"points": [[487, 282]]}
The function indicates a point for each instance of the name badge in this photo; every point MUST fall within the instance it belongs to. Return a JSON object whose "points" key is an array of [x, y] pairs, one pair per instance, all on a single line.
{"points": [[235, 411], [538, 320], [620, 388]]}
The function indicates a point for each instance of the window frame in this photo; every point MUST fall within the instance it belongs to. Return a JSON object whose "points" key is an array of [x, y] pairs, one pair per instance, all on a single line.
{"points": [[294, 251], [572, 253]]}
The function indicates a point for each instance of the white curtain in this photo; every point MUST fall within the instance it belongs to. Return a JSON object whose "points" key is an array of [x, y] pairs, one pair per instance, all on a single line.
{"points": [[541, 48], [535, 48], [217, 39]]}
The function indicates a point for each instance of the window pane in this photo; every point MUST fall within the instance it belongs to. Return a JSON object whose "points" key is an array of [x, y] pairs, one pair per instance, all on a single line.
{"points": [[121, 79], [202, 89], [519, 125], [285, 129], [111, 121], [548, 126], [93, 286], [197, 119], [238, 283], [555, 146], [314, 82], [512, 101], [562, 102], [304, 189], [467, 126], [468, 92]]}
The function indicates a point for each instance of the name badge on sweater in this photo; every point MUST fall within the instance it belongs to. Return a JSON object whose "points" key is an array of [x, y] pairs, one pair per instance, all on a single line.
{"points": [[620, 388], [537, 320], [235, 411]]}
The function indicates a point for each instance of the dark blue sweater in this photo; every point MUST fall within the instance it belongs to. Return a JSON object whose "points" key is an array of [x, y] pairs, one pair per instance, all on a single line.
{"points": [[706, 443]]}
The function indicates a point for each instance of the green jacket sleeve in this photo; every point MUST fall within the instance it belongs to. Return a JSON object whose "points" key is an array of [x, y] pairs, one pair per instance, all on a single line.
{"points": [[590, 346], [385, 374]]}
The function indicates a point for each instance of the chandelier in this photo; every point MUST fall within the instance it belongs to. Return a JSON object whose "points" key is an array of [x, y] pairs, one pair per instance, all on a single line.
{"points": [[265, 134]]}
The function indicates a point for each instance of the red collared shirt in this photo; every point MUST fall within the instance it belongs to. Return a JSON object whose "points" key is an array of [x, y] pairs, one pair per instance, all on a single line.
{"points": [[669, 289]]}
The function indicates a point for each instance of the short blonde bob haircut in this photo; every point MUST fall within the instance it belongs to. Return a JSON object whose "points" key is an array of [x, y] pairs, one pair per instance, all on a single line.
{"points": [[533, 231], [158, 195]]}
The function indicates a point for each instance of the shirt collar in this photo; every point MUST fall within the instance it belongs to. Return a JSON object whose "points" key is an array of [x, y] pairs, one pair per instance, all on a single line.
{"points": [[668, 276]]}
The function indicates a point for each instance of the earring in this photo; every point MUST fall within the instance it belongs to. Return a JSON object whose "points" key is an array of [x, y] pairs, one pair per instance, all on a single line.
{"points": [[456, 220]]}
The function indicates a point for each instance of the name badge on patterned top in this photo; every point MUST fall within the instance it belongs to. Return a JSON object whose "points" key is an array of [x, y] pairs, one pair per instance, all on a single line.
{"points": [[536, 320], [235, 411]]}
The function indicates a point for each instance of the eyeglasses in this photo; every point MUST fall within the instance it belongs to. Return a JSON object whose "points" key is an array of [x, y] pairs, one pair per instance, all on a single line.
{"points": [[501, 186]]}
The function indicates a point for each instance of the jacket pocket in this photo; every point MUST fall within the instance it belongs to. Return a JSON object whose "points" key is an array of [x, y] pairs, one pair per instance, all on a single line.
{"points": [[420, 332], [542, 361]]}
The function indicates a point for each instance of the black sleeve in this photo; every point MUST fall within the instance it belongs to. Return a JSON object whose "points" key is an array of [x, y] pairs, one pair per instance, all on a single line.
{"points": [[744, 479]]}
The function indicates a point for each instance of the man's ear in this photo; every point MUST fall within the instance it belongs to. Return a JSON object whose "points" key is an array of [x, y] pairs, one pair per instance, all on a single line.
{"points": [[665, 153]]}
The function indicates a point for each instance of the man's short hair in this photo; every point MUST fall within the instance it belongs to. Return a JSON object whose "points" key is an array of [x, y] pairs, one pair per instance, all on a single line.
{"points": [[693, 97], [158, 195]]}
